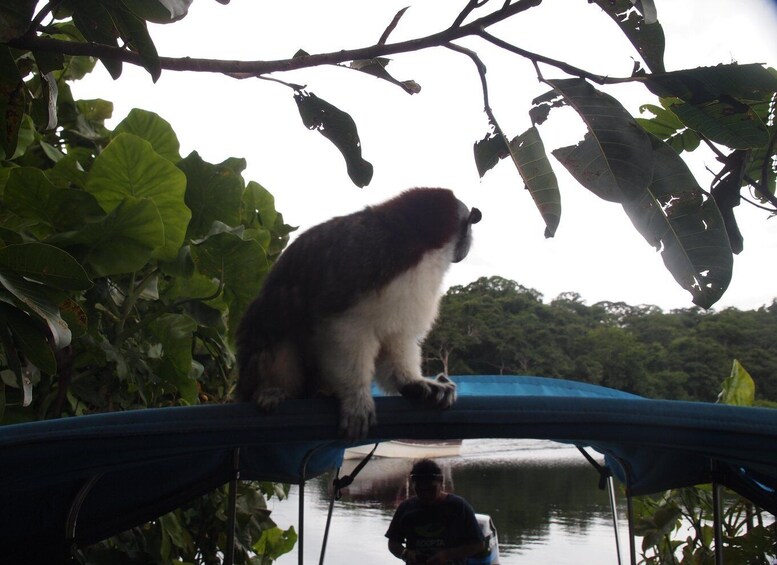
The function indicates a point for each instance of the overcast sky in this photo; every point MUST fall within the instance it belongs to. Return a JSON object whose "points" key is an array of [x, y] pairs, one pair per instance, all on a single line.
{"points": [[426, 139]]}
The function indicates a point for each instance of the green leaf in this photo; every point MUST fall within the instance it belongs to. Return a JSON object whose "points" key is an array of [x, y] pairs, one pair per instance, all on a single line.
{"points": [[129, 166], [528, 154], [44, 264], [157, 131], [134, 31], [675, 216], [258, 206], [12, 102], [15, 18], [40, 300], [643, 31], [30, 194], [123, 242], [339, 128], [707, 84], [239, 264], [738, 388], [275, 542], [95, 22], [176, 333], [159, 11], [213, 192], [614, 160], [728, 122], [489, 150], [666, 126], [29, 337]]}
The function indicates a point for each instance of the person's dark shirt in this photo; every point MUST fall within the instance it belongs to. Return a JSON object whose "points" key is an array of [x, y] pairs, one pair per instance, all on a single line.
{"points": [[429, 528]]}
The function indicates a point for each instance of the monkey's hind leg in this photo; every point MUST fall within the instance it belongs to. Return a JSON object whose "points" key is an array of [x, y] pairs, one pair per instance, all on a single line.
{"points": [[398, 369], [273, 377]]}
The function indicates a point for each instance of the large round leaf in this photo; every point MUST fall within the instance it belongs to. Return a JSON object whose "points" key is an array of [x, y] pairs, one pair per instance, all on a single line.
{"points": [[44, 264], [122, 243], [238, 263], [157, 131], [129, 166], [213, 192], [30, 194]]}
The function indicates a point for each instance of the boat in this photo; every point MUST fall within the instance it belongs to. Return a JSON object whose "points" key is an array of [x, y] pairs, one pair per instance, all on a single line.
{"points": [[408, 449], [75, 481]]}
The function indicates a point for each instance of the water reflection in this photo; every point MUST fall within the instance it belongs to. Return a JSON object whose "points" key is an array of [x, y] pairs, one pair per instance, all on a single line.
{"points": [[543, 497]]}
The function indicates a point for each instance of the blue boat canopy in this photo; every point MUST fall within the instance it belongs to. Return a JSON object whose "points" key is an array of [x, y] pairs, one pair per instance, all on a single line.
{"points": [[114, 471]]}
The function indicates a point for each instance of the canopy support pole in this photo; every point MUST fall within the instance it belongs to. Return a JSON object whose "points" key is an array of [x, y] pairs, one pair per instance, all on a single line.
{"points": [[301, 508], [229, 550], [717, 516], [632, 541], [614, 509], [75, 510], [301, 514]]}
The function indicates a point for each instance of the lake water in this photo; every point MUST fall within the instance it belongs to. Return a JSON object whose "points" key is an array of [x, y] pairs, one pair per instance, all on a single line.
{"points": [[543, 497]]}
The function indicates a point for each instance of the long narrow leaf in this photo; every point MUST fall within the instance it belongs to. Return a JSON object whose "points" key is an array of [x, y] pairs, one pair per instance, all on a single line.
{"points": [[528, 154]]}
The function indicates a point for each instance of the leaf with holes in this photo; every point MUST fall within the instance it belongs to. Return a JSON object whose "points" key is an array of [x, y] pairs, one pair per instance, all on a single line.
{"points": [[675, 217], [528, 154], [615, 158], [339, 128]]}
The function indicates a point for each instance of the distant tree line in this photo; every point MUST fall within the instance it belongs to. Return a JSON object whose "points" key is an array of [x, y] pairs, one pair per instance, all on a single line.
{"points": [[497, 326]]}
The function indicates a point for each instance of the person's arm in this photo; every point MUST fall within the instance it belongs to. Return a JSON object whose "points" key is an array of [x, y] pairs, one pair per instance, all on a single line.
{"points": [[396, 548]]}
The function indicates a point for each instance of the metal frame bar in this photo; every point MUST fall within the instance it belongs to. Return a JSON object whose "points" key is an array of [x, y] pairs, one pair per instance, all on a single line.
{"points": [[229, 551]]}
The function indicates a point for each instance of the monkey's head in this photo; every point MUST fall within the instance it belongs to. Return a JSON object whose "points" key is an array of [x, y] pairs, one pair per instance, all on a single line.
{"points": [[467, 217]]}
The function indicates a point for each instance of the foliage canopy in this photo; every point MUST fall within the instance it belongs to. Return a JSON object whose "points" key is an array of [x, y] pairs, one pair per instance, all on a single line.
{"points": [[635, 162]]}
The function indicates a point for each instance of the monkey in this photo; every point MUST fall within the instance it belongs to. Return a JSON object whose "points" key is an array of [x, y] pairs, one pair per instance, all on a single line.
{"points": [[348, 302]]}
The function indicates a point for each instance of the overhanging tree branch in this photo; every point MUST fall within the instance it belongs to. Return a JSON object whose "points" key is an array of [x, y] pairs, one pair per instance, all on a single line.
{"points": [[249, 69]]}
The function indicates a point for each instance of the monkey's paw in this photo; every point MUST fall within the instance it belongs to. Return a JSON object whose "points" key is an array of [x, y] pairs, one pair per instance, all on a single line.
{"points": [[440, 392], [268, 399], [356, 419]]}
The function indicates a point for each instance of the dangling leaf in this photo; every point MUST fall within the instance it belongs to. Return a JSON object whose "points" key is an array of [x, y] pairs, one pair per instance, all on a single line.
{"points": [[528, 154], [675, 217], [614, 160], [134, 31], [639, 24], [94, 21], [377, 68], [489, 150], [339, 128]]}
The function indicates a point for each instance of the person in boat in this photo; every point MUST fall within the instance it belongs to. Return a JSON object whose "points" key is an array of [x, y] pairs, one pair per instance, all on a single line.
{"points": [[433, 527]]}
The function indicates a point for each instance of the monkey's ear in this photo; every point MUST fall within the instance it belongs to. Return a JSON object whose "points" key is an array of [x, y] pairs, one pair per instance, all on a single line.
{"points": [[475, 216]]}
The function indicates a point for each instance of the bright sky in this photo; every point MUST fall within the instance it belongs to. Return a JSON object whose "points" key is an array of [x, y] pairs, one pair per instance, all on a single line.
{"points": [[426, 139]]}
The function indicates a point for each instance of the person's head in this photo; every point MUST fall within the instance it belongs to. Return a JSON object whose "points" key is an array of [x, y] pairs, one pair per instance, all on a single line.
{"points": [[426, 477]]}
